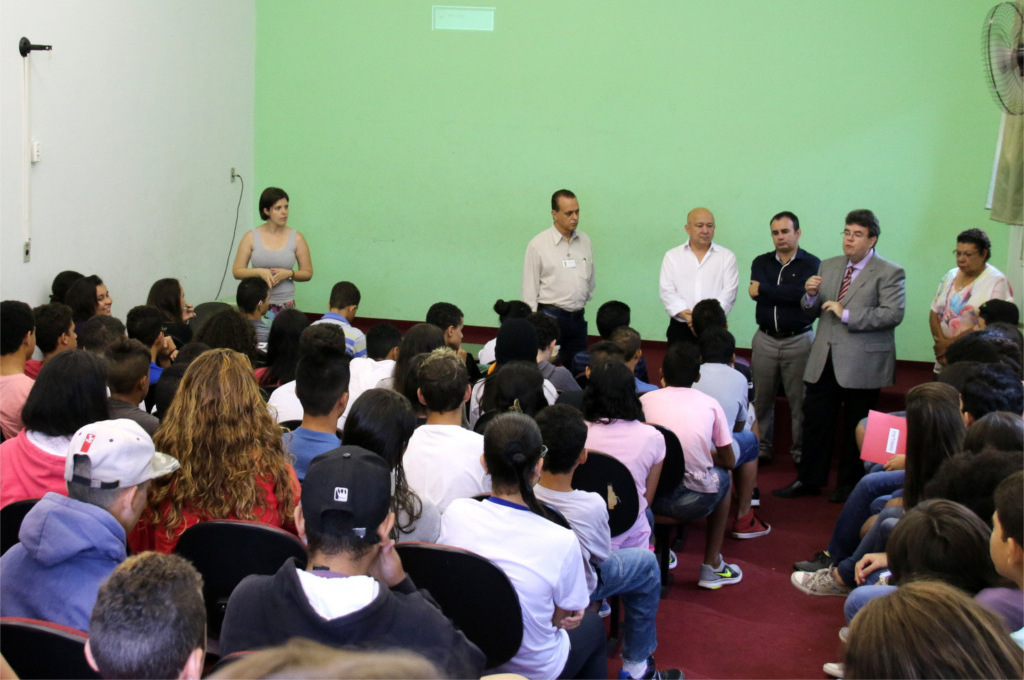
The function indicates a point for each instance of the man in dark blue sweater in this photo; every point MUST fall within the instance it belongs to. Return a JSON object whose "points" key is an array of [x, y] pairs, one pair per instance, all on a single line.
{"points": [[783, 340]]}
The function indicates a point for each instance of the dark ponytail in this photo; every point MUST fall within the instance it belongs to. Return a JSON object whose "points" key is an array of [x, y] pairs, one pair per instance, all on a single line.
{"points": [[512, 447]]}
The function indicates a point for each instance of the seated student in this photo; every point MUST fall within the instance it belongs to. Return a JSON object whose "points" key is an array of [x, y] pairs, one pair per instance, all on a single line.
{"points": [[517, 341], [510, 309], [61, 283], [284, 402], [321, 384], [18, 336], [517, 386], [449, 319], [991, 387], [615, 426], [928, 629], [228, 329], [606, 350], [705, 433], [145, 324], [343, 304], [354, 592], [149, 620], [442, 462], [88, 297], [233, 464], [998, 311], [1006, 548], [69, 545], [253, 300], [718, 379], [629, 341], [168, 295], [282, 348], [611, 315], [55, 333], [548, 334], [382, 421], [543, 560], [382, 343], [71, 392], [629, 572], [420, 339], [300, 658], [99, 332], [128, 378], [708, 314]]}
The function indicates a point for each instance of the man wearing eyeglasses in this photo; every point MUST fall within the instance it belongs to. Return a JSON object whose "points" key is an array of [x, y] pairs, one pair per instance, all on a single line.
{"points": [[859, 299]]}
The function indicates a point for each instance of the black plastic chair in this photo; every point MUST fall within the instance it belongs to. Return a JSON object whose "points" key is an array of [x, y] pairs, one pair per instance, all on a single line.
{"points": [[40, 649], [672, 471], [609, 478], [474, 593], [11, 516], [226, 551]]}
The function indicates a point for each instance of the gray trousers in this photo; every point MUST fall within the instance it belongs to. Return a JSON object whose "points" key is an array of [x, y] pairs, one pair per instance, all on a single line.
{"points": [[774, 361]]}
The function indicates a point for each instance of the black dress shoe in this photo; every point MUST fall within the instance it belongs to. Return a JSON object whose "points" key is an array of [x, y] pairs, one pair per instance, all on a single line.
{"points": [[796, 490]]}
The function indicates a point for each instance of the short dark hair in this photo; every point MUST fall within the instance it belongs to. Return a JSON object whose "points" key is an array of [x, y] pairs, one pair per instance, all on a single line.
{"points": [[999, 311], [717, 346], [786, 215], [145, 324], [127, 362], [993, 387], [320, 337], [81, 296], [546, 327], [69, 392], [381, 339], [443, 378], [511, 309], [681, 366], [605, 350], [610, 316], [865, 218], [628, 341], [565, 434], [344, 294], [251, 292], [99, 332], [61, 283], [1009, 500], [561, 193], [269, 197], [444, 315], [971, 479], [320, 380], [708, 313], [52, 321], [1000, 430], [165, 295], [16, 321], [978, 239], [228, 329], [611, 394], [148, 618], [515, 386]]}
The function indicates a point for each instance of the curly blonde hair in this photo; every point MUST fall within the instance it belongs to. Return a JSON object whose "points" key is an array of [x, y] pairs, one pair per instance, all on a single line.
{"points": [[226, 440]]}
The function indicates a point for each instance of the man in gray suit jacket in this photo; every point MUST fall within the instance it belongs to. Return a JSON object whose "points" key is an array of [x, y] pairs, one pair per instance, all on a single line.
{"points": [[859, 299]]}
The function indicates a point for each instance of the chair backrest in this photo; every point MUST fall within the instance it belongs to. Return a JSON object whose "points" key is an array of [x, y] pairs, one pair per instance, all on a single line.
{"points": [[11, 516], [291, 425], [226, 551], [674, 466], [40, 649], [611, 479], [474, 593]]}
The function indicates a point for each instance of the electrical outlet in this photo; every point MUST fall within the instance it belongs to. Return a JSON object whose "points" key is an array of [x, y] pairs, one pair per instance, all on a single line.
{"points": [[233, 175], [28, 250]]}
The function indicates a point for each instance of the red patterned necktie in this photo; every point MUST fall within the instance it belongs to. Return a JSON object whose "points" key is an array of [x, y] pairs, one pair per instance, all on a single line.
{"points": [[846, 283]]}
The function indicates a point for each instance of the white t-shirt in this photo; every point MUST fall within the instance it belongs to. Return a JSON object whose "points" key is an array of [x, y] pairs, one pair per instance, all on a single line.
{"points": [[364, 374], [442, 463], [541, 559], [284, 405], [587, 513]]}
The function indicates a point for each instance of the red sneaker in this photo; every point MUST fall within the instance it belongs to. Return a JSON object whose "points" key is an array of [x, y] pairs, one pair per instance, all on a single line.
{"points": [[749, 526]]}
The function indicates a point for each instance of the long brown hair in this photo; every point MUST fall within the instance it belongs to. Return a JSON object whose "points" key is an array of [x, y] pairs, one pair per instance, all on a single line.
{"points": [[935, 433], [226, 441]]}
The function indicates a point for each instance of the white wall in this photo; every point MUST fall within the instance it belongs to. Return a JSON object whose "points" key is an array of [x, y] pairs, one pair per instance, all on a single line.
{"points": [[141, 109]]}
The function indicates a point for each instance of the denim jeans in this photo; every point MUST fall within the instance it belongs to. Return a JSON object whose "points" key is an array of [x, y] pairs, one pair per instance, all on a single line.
{"points": [[687, 505], [874, 541], [632, 573], [860, 597], [857, 510]]}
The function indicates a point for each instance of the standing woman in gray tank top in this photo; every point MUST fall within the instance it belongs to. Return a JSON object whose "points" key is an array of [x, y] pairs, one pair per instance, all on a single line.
{"points": [[271, 251]]}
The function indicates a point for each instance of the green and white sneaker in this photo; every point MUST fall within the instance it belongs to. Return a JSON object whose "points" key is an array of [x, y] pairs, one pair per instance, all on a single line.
{"points": [[724, 575]]}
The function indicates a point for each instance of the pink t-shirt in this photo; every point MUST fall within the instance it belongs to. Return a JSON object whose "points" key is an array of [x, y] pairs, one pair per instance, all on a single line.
{"points": [[639, 447], [699, 422], [26, 471], [14, 391]]}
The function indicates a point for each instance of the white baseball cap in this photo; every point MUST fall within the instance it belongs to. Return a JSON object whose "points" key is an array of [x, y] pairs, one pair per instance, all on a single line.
{"points": [[119, 453]]}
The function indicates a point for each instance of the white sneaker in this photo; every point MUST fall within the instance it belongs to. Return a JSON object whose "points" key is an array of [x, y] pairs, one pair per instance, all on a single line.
{"points": [[844, 634], [819, 582], [673, 561], [835, 669]]}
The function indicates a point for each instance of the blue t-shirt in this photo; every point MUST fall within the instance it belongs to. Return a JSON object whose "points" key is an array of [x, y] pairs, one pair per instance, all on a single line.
{"points": [[305, 445]]}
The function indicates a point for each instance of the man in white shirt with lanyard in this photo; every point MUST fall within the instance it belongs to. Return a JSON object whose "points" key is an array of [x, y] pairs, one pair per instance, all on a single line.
{"points": [[697, 270], [558, 273]]}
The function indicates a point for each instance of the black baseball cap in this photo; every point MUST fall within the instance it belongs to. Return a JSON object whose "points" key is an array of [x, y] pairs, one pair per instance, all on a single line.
{"points": [[347, 490]]}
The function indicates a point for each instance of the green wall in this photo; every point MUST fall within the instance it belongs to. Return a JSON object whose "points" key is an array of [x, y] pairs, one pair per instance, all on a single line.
{"points": [[421, 162]]}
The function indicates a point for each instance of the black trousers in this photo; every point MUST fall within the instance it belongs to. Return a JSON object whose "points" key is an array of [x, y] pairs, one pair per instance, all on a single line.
{"points": [[573, 327], [826, 405], [679, 332]]}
